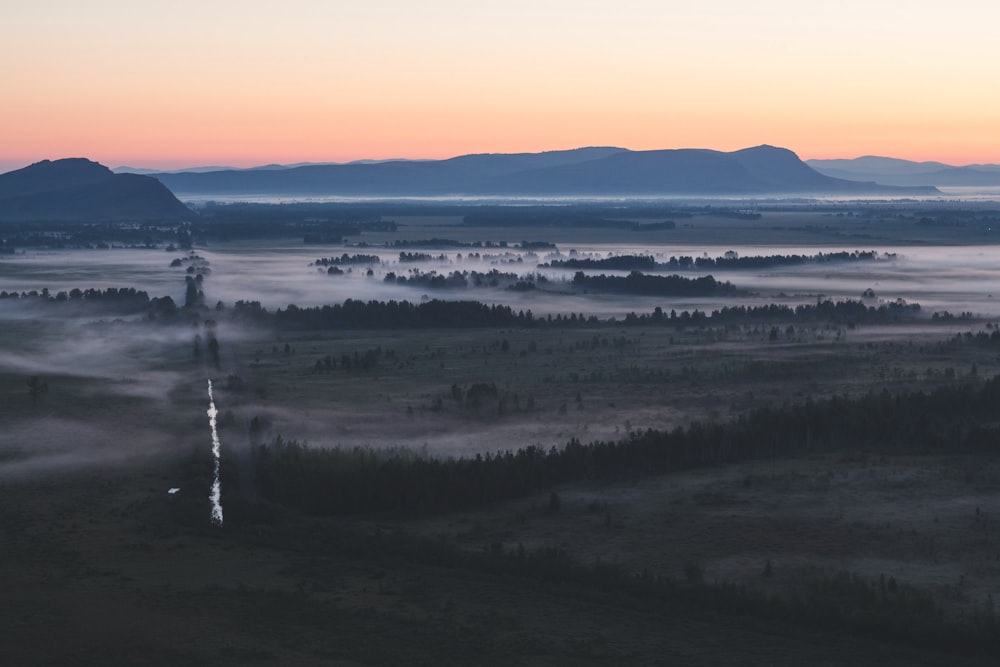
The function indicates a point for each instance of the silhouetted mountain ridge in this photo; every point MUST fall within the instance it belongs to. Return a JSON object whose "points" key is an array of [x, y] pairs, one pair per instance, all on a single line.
{"points": [[893, 171], [77, 189], [593, 171]]}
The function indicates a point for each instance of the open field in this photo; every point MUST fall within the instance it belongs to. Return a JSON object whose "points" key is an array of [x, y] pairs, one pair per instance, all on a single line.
{"points": [[589, 383], [104, 411]]}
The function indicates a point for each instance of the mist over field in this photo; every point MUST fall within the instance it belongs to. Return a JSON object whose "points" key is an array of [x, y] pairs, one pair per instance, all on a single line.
{"points": [[132, 358], [958, 279], [121, 356], [793, 418]]}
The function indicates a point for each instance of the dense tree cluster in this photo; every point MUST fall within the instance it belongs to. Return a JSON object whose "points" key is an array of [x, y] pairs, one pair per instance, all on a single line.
{"points": [[731, 260], [617, 263], [850, 312], [648, 285], [430, 280], [419, 257], [354, 314], [464, 279], [162, 308], [94, 235], [980, 338], [348, 259]]}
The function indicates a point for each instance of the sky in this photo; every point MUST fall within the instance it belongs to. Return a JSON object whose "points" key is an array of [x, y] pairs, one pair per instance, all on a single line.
{"points": [[183, 83]]}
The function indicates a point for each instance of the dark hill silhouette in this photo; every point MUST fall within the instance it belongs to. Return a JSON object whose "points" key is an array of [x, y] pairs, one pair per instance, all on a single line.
{"points": [[77, 189], [604, 171], [752, 171], [388, 178], [780, 167]]}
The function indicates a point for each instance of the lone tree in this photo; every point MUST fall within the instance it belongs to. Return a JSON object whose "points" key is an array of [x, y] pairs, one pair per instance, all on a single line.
{"points": [[213, 350], [37, 387]]}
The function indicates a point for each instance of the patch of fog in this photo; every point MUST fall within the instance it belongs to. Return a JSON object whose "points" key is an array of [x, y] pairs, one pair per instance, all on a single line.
{"points": [[955, 278], [950, 281], [129, 358], [43, 464], [917, 332], [41, 445], [457, 435], [215, 497], [304, 287], [64, 270], [979, 193], [121, 355], [940, 277]]}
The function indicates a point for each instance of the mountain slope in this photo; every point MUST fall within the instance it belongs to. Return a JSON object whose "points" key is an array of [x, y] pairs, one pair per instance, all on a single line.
{"points": [[77, 189], [607, 171], [893, 171], [388, 178], [632, 173]]}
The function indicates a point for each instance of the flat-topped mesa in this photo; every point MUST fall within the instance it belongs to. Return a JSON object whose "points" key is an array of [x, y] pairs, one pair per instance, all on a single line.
{"points": [[584, 172]]}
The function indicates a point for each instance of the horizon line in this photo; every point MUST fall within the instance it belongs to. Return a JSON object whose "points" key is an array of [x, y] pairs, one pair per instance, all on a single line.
{"points": [[9, 165]]}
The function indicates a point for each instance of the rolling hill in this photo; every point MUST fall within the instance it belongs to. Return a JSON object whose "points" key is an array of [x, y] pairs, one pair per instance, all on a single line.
{"points": [[80, 190]]}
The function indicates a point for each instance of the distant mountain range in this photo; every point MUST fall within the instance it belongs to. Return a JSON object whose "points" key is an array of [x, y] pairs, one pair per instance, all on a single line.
{"points": [[76, 189], [583, 172], [197, 170], [892, 171], [79, 189]]}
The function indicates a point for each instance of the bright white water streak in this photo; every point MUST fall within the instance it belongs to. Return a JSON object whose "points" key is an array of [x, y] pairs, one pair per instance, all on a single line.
{"points": [[216, 495]]}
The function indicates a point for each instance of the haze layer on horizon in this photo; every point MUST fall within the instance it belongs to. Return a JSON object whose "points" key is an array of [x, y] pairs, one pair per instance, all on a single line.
{"points": [[249, 83]]}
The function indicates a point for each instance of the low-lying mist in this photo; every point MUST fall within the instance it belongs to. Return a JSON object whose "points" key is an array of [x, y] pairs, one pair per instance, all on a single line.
{"points": [[939, 278], [145, 372]]}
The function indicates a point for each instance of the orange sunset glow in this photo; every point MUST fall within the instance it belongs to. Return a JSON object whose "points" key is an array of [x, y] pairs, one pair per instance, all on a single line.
{"points": [[250, 83]]}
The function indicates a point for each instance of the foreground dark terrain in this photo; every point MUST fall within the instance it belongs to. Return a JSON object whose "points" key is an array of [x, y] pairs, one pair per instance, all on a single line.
{"points": [[718, 481], [102, 570]]}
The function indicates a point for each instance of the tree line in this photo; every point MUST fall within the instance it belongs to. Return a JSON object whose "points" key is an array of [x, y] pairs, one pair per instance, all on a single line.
{"points": [[465, 279], [118, 299], [348, 259], [731, 260], [949, 419], [356, 314], [848, 312]]}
